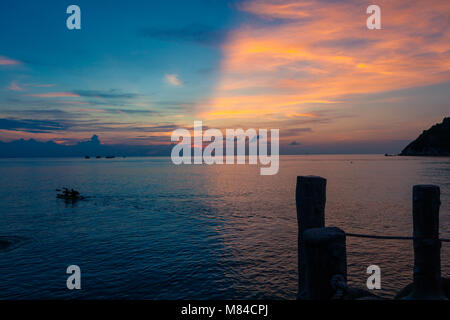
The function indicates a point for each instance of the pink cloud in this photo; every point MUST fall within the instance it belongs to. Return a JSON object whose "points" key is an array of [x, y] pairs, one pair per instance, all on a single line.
{"points": [[55, 95], [4, 61], [44, 85], [14, 86]]}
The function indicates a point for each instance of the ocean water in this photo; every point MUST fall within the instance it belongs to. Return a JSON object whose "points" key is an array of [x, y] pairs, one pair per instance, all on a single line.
{"points": [[152, 230]]}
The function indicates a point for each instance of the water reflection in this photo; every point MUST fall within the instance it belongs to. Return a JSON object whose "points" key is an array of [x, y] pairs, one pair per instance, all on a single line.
{"points": [[153, 230]]}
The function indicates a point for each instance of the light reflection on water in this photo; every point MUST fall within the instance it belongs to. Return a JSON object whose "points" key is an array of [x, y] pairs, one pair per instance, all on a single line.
{"points": [[153, 230]]}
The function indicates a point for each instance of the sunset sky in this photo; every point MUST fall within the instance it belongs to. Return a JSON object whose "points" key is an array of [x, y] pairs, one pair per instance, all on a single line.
{"points": [[137, 70]]}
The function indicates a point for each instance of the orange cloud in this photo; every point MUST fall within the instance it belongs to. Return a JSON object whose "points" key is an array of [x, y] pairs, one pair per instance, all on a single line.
{"points": [[320, 52], [173, 80]]}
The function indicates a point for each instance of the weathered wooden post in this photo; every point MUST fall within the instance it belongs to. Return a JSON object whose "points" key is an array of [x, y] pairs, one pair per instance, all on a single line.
{"points": [[427, 247], [326, 259], [310, 196]]}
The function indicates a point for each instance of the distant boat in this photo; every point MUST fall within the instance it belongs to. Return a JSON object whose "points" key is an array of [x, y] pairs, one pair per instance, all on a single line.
{"points": [[87, 157], [110, 157], [98, 157]]}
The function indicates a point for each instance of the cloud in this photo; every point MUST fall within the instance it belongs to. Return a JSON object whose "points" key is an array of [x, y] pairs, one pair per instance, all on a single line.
{"points": [[4, 61], [55, 95], [295, 131], [306, 59], [349, 43], [173, 80], [105, 94], [100, 94], [15, 87], [158, 128], [33, 126], [196, 33], [43, 85], [38, 112], [131, 111]]}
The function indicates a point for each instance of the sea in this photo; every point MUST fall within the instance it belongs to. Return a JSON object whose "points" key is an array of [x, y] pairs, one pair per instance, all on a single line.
{"points": [[149, 229]]}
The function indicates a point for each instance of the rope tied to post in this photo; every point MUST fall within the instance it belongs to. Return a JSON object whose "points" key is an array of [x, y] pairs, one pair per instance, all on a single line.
{"points": [[358, 235], [317, 245]]}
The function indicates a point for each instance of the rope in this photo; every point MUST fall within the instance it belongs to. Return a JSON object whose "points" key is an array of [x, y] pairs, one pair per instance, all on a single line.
{"points": [[357, 235]]}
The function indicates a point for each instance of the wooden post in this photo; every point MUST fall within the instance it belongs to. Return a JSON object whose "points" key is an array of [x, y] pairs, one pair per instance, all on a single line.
{"points": [[310, 196], [326, 259], [427, 247]]}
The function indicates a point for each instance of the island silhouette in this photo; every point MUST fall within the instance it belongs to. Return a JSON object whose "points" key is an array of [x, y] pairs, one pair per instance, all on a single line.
{"points": [[432, 142]]}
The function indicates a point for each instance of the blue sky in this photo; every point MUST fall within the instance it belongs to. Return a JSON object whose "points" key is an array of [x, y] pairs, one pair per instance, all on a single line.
{"points": [[123, 58]]}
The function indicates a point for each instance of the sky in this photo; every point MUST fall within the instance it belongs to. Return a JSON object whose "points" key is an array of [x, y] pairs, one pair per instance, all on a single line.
{"points": [[137, 70]]}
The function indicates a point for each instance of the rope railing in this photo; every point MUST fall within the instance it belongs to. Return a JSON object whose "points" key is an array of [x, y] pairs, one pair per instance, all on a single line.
{"points": [[322, 250], [357, 235]]}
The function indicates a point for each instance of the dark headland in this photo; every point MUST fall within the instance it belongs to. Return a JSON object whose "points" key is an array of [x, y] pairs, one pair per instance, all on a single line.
{"points": [[432, 142]]}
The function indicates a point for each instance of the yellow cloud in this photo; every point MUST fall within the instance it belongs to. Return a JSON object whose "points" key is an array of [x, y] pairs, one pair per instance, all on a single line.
{"points": [[173, 79]]}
